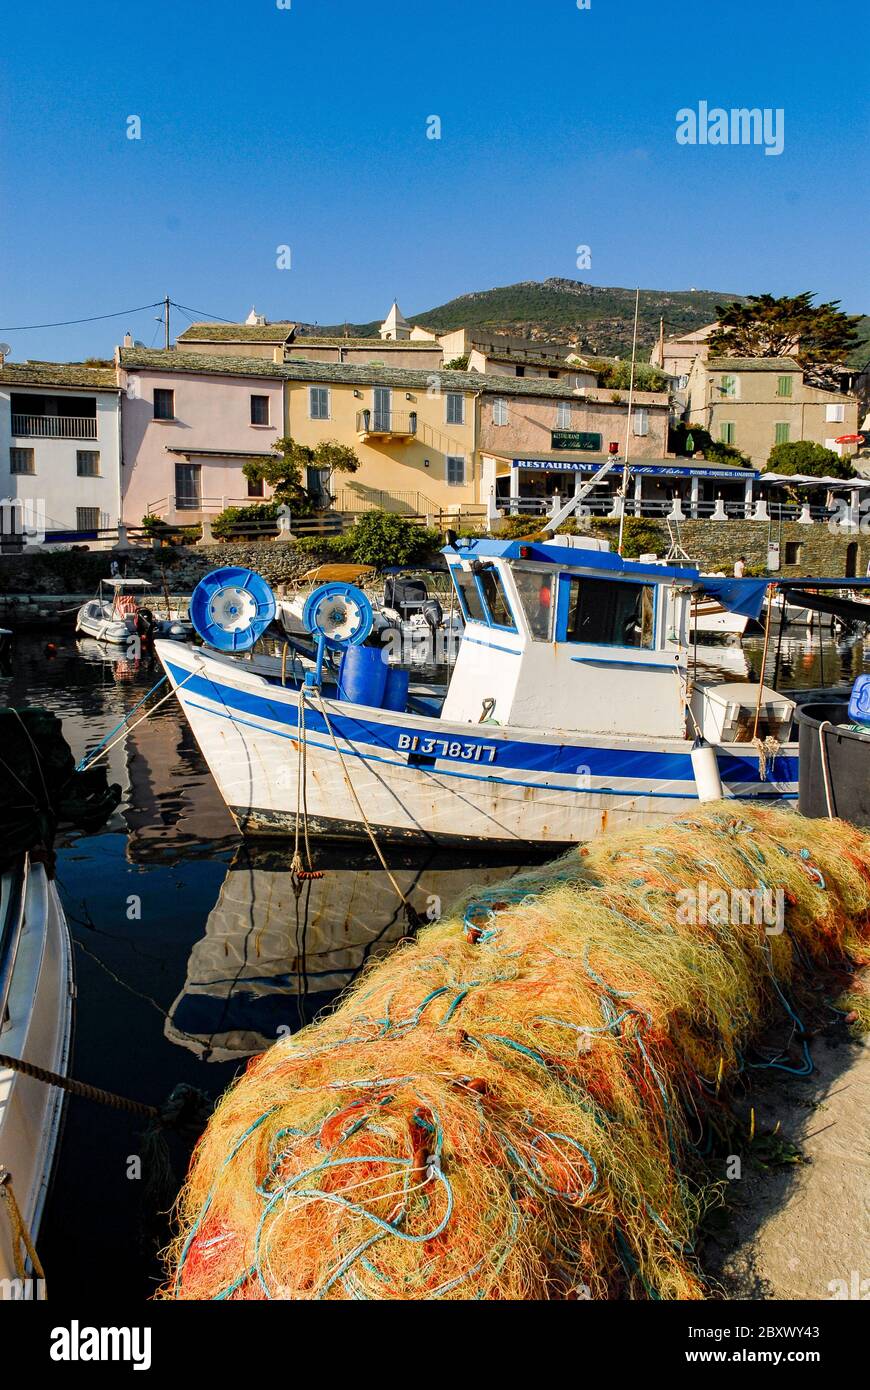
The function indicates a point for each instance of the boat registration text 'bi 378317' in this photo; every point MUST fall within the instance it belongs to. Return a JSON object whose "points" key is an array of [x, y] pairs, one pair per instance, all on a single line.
{"points": [[446, 748]]}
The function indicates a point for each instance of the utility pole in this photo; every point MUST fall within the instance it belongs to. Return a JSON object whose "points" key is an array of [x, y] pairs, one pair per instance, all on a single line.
{"points": [[166, 322]]}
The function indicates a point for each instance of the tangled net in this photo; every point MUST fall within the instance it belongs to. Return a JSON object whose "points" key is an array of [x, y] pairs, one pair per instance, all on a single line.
{"points": [[507, 1107]]}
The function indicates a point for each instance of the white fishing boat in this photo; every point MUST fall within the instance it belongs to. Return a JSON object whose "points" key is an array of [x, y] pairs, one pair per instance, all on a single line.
{"points": [[117, 617], [571, 707], [36, 1013], [709, 617]]}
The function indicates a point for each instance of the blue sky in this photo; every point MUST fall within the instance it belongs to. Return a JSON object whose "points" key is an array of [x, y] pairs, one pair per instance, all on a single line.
{"points": [[306, 127]]}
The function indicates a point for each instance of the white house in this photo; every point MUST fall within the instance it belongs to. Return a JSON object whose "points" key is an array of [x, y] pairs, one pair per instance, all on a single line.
{"points": [[60, 450]]}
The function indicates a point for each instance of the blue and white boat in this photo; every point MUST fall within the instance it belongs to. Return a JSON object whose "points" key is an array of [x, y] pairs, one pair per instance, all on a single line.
{"points": [[572, 706]]}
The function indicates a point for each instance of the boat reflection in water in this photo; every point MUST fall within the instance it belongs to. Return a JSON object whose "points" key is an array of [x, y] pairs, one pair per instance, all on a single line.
{"points": [[276, 950]]}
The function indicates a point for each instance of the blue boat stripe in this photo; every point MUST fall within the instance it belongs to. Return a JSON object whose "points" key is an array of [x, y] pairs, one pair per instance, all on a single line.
{"points": [[449, 771]]}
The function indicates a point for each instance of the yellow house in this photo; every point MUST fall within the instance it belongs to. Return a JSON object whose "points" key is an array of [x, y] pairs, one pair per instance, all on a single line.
{"points": [[414, 433]]}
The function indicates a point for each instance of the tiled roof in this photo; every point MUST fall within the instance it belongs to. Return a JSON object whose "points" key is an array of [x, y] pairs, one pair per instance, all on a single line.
{"points": [[388, 344], [752, 364], [158, 359], [350, 373], [69, 374], [237, 333]]}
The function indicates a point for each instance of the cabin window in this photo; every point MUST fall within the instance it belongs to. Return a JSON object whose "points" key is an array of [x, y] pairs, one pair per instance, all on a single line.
{"points": [[496, 599], [535, 589], [607, 613], [469, 596]]}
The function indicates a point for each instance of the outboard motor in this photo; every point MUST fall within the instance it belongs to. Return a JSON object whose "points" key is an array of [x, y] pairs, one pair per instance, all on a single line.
{"points": [[433, 614], [145, 623]]}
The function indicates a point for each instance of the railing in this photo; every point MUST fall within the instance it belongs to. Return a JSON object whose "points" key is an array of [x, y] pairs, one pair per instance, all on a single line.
{"points": [[381, 500], [387, 422], [54, 426], [660, 508]]}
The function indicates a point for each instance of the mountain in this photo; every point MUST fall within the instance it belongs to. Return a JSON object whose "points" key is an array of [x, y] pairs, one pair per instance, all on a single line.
{"points": [[598, 317]]}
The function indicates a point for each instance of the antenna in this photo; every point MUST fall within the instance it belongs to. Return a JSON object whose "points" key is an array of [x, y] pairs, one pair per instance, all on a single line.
{"points": [[5, 350]]}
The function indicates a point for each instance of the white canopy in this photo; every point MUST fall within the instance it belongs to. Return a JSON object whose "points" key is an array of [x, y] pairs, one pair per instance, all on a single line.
{"points": [[807, 480]]}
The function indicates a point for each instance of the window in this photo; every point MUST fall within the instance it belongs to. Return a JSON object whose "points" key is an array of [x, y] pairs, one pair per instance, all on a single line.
{"points": [[469, 595], [609, 613], [87, 518], [641, 421], [781, 432], [835, 414], [496, 599], [455, 471], [318, 402], [455, 408], [187, 487], [728, 386], [520, 371], [164, 404], [87, 463], [563, 415], [783, 386], [255, 487], [726, 432], [535, 589], [553, 375], [259, 410], [21, 461], [499, 412], [793, 552]]}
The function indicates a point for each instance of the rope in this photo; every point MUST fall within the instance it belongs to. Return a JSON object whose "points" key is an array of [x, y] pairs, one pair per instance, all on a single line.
{"points": [[411, 912], [20, 1234], [296, 866], [763, 663], [89, 756], [78, 1088], [109, 746], [826, 771]]}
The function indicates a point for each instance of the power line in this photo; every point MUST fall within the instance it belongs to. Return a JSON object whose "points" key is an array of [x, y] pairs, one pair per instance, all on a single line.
{"points": [[187, 309], [64, 323]]}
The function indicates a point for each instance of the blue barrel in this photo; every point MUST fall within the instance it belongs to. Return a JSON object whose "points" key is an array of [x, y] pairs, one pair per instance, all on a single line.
{"points": [[396, 689], [362, 676]]}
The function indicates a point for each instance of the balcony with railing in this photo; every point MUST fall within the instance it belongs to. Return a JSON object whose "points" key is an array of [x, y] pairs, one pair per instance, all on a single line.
{"points": [[54, 426], [386, 424]]}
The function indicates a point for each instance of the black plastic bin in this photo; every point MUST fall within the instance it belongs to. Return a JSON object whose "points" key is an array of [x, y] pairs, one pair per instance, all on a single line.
{"points": [[847, 756]]}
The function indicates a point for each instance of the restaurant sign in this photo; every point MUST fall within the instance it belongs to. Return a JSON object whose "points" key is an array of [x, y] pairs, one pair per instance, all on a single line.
{"points": [[583, 440]]}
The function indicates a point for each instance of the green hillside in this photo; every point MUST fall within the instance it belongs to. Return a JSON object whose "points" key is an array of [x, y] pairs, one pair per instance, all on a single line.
{"points": [[598, 317]]}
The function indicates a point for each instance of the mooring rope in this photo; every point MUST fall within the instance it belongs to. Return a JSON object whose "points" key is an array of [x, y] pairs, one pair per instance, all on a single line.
{"points": [[411, 912], [20, 1233], [78, 1088]]}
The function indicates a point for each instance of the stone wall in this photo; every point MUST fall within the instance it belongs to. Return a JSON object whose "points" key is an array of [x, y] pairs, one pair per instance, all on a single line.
{"points": [[716, 545]]}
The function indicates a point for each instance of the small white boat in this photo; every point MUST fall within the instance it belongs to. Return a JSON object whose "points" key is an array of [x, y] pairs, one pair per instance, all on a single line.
{"points": [[36, 1014], [709, 616], [571, 707], [117, 618]]}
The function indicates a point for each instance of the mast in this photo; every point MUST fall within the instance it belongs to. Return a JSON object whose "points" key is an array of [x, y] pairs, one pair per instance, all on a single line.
{"points": [[628, 423]]}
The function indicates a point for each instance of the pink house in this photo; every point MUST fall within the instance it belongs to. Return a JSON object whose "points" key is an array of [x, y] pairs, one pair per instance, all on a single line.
{"points": [[189, 423]]}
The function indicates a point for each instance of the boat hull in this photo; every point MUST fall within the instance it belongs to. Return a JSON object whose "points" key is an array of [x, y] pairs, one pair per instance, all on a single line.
{"points": [[420, 778]]}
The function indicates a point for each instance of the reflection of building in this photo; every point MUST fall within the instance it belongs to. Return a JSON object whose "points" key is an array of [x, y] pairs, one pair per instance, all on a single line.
{"points": [[173, 804], [270, 959]]}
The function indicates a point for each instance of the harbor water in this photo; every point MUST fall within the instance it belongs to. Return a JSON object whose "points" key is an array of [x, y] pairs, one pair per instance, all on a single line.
{"points": [[193, 951]]}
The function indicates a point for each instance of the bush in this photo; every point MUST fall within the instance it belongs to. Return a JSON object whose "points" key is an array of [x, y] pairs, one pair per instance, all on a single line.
{"points": [[380, 539], [222, 526], [639, 537], [802, 456]]}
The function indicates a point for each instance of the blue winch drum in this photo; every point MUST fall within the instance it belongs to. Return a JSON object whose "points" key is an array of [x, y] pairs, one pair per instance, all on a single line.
{"points": [[859, 702], [231, 608], [340, 615], [362, 676]]}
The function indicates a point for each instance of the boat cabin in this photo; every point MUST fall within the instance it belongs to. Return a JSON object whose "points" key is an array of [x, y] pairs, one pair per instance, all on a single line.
{"points": [[569, 636]]}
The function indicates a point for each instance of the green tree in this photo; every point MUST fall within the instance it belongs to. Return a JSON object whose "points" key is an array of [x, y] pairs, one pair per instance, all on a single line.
{"points": [[686, 439], [286, 472], [802, 456], [762, 326]]}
